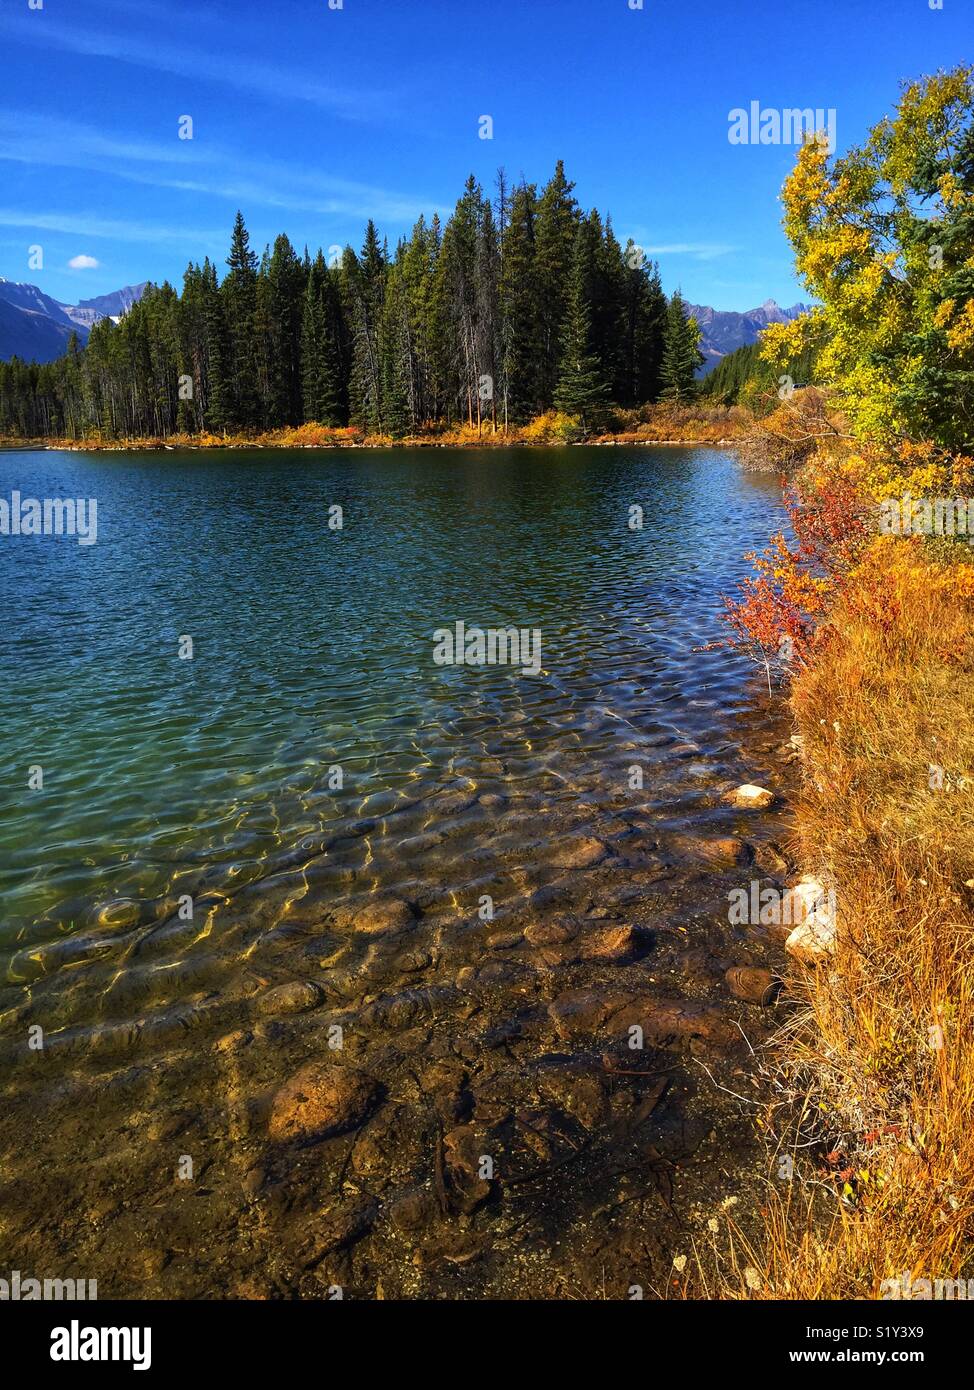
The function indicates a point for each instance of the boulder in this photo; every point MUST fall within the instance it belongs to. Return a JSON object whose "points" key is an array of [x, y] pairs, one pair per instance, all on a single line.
{"points": [[324, 1098]]}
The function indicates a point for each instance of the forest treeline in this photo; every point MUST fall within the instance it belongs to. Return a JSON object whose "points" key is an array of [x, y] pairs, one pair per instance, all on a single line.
{"points": [[743, 377], [520, 303]]}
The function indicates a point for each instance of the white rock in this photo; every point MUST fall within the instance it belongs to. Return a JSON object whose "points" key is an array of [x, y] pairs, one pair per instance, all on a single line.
{"points": [[811, 906], [750, 797]]}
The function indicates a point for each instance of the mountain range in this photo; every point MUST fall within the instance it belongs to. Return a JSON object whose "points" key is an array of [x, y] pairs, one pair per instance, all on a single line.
{"points": [[723, 330], [35, 327]]}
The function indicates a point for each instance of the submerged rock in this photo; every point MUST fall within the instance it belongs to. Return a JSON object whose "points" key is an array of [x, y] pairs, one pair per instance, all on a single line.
{"points": [[610, 944], [579, 854], [752, 983], [467, 1157], [341, 1226], [292, 998], [549, 933], [414, 1211], [726, 853], [583, 1012], [385, 915], [119, 915], [322, 1099]]}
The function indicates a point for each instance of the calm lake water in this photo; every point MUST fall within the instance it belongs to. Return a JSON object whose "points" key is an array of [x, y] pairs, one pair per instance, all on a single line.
{"points": [[313, 647], [192, 905]]}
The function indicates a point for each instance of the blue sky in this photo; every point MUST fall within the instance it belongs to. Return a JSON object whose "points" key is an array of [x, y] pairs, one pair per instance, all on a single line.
{"points": [[312, 119]]}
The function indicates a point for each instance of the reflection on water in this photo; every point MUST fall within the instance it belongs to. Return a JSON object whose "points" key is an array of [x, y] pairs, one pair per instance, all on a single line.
{"points": [[212, 828]]}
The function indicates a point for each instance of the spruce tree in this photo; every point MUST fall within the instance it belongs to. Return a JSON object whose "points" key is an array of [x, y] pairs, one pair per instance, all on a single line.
{"points": [[323, 397], [365, 278], [554, 251], [219, 412], [239, 295], [285, 302], [520, 313], [681, 352], [581, 388]]}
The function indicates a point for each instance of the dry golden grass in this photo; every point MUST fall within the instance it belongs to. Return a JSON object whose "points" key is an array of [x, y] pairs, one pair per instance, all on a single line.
{"points": [[695, 423], [874, 1079]]}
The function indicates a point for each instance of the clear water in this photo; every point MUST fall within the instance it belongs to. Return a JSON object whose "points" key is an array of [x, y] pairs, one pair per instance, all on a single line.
{"points": [[167, 1037], [313, 646]]}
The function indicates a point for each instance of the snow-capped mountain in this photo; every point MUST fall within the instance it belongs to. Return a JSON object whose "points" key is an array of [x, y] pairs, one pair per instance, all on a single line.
{"points": [[37, 328]]}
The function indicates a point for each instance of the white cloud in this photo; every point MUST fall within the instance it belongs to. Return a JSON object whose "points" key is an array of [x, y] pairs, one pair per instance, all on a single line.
{"points": [[83, 263]]}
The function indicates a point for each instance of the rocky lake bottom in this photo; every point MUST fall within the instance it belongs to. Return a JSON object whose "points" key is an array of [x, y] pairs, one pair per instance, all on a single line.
{"points": [[462, 1032], [380, 1092]]}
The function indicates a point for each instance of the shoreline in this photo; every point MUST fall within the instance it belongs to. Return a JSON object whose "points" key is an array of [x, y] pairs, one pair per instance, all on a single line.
{"points": [[153, 446]]}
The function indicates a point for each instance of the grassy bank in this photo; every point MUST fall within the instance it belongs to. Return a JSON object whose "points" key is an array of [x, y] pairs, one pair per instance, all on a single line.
{"points": [[884, 1061], [870, 1088], [696, 423]]}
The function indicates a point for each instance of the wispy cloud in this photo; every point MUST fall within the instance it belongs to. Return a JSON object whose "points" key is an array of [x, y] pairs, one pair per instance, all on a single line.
{"points": [[207, 170], [221, 66], [697, 250], [84, 225]]}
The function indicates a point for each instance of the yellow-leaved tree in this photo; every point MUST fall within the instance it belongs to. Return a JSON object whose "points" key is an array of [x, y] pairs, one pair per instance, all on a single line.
{"points": [[884, 238]]}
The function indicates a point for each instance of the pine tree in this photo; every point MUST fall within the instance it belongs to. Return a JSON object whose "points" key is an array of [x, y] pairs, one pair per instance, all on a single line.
{"points": [[220, 408], [323, 396], [581, 388], [554, 251], [456, 308], [285, 305], [681, 352], [239, 296], [644, 310], [365, 278], [520, 314]]}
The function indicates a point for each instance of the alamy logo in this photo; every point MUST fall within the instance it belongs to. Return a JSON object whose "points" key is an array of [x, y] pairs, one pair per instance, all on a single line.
{"points": [[50, 516], [490, 646], [791, 125], [906, 1287], [927, 516], [17, 1289], [77, 1343], [809, 901]]}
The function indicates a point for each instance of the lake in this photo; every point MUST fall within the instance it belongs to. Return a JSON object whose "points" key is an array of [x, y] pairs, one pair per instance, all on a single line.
{"points": [[243, 806]]}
